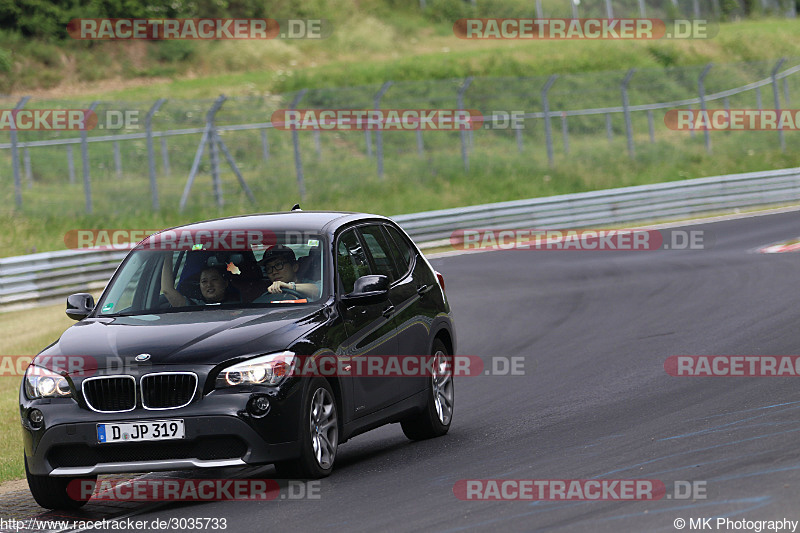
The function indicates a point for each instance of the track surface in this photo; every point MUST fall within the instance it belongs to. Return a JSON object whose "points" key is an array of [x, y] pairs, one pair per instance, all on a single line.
{"points": [[595, 402]]}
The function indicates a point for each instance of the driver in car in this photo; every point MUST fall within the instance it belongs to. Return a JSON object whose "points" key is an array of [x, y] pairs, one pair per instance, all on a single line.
{"points": [[280, 265]]}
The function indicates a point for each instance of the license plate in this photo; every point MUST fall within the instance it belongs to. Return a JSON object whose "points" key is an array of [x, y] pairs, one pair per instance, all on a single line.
{"points": [[140, 431]]}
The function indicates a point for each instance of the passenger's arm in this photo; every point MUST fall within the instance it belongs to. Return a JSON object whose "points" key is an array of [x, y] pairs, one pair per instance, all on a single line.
{"points": [[175, 298]]}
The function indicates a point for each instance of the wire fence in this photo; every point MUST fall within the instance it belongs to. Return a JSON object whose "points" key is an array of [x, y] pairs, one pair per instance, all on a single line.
{"points": [[173, 154]]}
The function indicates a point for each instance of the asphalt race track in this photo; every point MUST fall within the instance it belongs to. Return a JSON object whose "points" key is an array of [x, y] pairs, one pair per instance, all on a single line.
{"points": [[594, 328]]}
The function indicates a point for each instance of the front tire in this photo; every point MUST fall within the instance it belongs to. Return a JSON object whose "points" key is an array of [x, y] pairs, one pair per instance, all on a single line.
{"points": [[319, 437], [51, 492], [434, 421]]}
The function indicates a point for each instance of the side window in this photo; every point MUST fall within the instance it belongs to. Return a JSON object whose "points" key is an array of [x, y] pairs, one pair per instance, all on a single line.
{"points": [[351, 261], [380, 251], [401, 246]]}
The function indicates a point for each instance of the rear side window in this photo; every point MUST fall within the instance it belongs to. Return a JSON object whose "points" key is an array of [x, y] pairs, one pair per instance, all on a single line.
{"points": [[380, 250], [401, 247], [351, 261]]}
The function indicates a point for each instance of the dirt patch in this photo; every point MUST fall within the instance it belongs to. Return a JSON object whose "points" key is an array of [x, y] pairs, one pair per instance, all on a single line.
{"points": [[69, 89], [13, 486]]}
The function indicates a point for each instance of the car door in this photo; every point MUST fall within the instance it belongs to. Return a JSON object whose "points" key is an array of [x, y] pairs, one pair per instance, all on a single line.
{"points": [[370, 329], [412, 329], [416, 293]]}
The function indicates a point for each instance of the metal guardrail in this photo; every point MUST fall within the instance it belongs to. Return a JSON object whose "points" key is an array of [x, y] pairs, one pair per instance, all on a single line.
{"points": [[49, 277], [612, 206], [45, 278]]}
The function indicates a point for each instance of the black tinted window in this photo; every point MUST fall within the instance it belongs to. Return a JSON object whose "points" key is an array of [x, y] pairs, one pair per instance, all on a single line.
{"points": [[351, 261], [380, 250], [401, 246]]}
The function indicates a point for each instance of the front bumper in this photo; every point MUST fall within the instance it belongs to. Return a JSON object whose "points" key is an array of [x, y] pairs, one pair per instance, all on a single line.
{"points": [[219, 432]]}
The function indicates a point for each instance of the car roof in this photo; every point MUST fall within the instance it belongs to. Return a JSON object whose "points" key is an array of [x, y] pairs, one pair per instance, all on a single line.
{"points": [[310, 221]]}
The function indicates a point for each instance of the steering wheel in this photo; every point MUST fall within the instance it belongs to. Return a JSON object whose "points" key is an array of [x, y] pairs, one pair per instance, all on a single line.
{"points": [[297, 294]]}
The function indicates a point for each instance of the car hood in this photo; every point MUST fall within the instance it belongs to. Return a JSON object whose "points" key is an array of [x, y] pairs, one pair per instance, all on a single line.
{"points": [[204, 337]]}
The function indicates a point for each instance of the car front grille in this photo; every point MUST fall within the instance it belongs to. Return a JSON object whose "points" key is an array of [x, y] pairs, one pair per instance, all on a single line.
{"points": [[168, 390], [111, 394], [163, 390]]}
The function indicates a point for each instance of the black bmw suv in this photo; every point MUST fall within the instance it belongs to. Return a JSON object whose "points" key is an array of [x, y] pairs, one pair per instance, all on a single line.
{"points": [[198, 352]]}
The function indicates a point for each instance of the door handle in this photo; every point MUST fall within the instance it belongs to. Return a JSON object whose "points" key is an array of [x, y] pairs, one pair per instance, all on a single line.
{"points": [[389, 311], [423, 289]]}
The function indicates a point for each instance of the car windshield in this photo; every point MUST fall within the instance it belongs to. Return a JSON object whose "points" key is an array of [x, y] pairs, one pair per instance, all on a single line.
{"points": [[200, 276]]}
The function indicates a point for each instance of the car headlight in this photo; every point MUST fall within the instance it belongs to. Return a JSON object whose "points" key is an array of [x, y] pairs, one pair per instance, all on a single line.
{"points": [[43, 383], [263, 370]]}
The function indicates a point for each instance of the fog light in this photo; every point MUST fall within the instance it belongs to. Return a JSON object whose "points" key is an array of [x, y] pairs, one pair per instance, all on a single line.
{"points": [[36, 417], [258, 406]]}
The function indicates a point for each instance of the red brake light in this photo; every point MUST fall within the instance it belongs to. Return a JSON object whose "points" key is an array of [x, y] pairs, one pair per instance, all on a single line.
{"points": [[440, 279]]}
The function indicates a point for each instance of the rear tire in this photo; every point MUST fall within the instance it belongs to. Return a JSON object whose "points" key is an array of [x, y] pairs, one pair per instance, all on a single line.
{"points": [[319, 435], [51, 492], [434, 421]]}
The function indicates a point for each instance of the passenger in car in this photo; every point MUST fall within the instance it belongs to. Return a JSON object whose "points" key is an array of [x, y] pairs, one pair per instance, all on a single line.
{"points": [[280, 265], [214, 287]]}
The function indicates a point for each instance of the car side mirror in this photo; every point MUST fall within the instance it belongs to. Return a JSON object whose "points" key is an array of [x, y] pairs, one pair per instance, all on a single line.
{"points": [[79, 305], [368, 290]]}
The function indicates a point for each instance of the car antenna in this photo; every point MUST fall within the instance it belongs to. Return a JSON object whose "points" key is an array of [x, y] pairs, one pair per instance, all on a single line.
{"points": [[296, 207]]}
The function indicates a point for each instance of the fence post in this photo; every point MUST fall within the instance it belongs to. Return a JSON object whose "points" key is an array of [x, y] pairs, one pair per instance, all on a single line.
{"points": [[87, 185], [264, 145], [151, 156], [758, 98], [642, 9], [717, 9], [70, 164], [609, 10], [165, 155], [117, 160], [786, 91], [298, 163], [378, 132], [15, 156], [216, 182], [462, 133], [696, 7], [208, 134], [575, 14], [548, 133], [26, 159], [420, 147], [651, 126], [627, 111], [539, 13], [701, 87], [776, 96], [564, 131], [317, 145]]}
